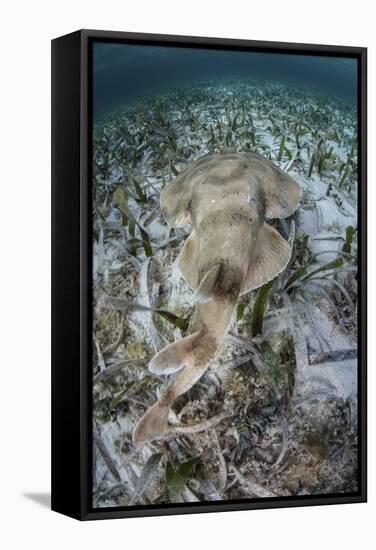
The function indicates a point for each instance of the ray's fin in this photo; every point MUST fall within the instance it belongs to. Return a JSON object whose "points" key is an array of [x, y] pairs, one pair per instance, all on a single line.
{"points": [[175, 356], [206, 286], [152, 424], [282, 194], [188, 260], [271, 255]]}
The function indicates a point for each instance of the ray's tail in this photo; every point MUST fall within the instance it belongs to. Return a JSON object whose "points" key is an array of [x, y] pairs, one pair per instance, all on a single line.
{"points": [[190, 357]]}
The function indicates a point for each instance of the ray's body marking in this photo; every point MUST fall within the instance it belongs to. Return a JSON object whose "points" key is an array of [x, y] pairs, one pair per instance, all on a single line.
{"points": [[232, 250]]}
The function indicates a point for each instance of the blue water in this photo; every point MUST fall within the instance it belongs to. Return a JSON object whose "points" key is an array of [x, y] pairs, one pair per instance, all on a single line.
{"points": [[124, 72]]}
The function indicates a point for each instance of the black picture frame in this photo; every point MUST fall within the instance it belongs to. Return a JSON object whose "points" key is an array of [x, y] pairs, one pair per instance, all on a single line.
{"points": [[71, 274]]}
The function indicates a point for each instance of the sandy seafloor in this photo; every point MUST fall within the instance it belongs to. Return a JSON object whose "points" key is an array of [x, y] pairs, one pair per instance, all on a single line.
{"points": [[275, 415]]}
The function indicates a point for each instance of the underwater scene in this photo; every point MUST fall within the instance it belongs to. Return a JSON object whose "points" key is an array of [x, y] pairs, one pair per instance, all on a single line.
{"points": [[225, 290]]}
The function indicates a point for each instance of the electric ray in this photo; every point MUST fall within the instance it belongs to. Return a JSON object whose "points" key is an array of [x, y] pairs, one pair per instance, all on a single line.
{"points": [[231, 250]]}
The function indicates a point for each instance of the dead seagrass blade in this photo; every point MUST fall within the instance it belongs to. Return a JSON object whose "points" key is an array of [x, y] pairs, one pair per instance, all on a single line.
{"points": [[227, 197]]}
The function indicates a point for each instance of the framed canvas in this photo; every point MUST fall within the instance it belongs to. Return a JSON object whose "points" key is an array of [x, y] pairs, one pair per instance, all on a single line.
{"points": [[208, 274]]}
